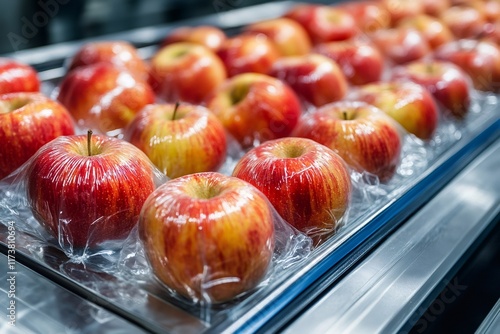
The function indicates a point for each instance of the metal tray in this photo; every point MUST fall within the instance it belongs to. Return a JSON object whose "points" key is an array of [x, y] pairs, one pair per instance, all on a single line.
{"points": [[156, 311]]}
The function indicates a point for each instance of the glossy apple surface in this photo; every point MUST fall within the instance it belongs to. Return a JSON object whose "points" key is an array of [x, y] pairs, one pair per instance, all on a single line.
{"points": [[248, 53], [479, 59], [86, 198], [186, 72], [219, 247], [360, 61], [104, 97], [447, 83], [401, 45], [208, 36], [16, 76], [289, 37], [364, 136], [435, 32], [410, 104], [401, 9], [255, 107], [316, 79], [118, 53], [27, 122], [307, 183], [179, 141], [369, 15], [324, 23], [464, 21]]}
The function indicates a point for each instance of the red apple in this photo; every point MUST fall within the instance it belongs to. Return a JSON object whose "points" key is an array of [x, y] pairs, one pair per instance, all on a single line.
{"points": [[435, 7], [492, 10], [186, 72], [401, 9], [316, 79], [364, 136], [447, 83], [86, 190], [289, 37], [464, 21], [401, 45], [179, 140], [410, 104], [255, 107], [360, 61], [119, 53], [210, 37], [434, 31], [17, 77], [248, 53], [307, 183], [208, 236], [324, 23], [27, 122], [370, 15], [479, 59], [104, 97]]}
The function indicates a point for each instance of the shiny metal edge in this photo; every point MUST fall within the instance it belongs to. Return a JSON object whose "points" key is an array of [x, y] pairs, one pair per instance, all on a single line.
{"points": [[491, 324], [41, 306], [387, 290]]}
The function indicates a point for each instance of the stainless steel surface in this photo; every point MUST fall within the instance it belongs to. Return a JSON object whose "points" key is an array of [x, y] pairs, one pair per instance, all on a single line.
{"points": [[491, 324], [384, 292], [41, 306]]}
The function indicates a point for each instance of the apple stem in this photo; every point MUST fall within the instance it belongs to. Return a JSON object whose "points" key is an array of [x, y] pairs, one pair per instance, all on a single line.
{"points": [[175, 110], [345, 115], [89, 138]]}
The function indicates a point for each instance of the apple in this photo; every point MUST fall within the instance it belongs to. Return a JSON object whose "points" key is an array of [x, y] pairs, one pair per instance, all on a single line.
{"points": [[479, 59], [492, 10], [208, 237], [447, 83], [28, 120], [401, 9], [360, 61], [410, 104], [255, 107], [289, 37], [88, 189], [104, 97], [316, 79], [186, 72], [16, 76], [120, 53], [210, 37], [179, 139], [307, 183], [434, 31], [248, 53], [464, 21], [401, 45], [364, 136], [323, 23], [435, 7], [369, 15]]}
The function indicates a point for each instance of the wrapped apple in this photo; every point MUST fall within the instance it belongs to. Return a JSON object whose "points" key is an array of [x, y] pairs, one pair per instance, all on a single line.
{"points": [[27, 122], [88, 190], [208, 237], [308, 184]]}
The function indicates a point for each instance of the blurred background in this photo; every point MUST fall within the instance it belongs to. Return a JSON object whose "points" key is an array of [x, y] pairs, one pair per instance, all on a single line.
{"points": [[27, 24]]}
